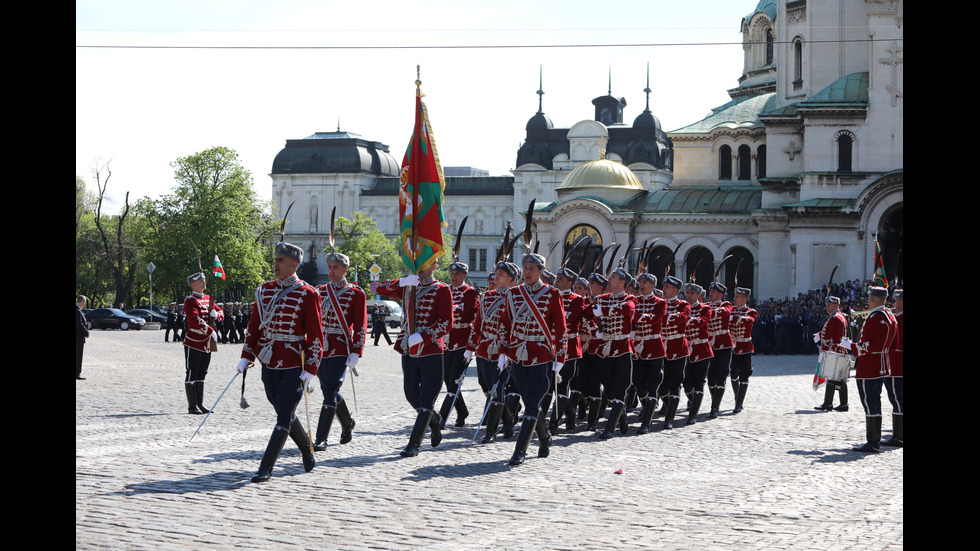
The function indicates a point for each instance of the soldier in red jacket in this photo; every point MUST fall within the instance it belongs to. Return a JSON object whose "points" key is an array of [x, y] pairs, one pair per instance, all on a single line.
{"points": [[574, 306], [648, 346], [344, 310], [696, 373], [873, 361], [721, 345], [675, 339], [829, 339], [894, 384], [285, 334], [743, 319], [534, 341], [465, 300], [422, 349], [202, 315]]}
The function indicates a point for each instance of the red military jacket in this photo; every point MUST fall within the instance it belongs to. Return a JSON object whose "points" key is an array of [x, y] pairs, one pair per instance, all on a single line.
{"points": [[523, 338], [485, 336], [465, 301], [197, 309], [872, 350], [353, 306], [895, 356], [433, 314], [697, 332], [833, 331], [743, 318], [615, 323], [719, 325], [648, 319], [574, 306], [284, 330], [675, 328]]}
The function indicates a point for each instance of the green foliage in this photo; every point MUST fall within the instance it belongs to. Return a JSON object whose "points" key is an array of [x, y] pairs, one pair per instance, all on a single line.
{"points": [[213, 206], [359, 238]]}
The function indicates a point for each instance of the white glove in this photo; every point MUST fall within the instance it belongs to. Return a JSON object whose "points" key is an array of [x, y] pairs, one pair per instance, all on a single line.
{"points": [[213, 313], [242, 365], [501, 362], [415, 338], [600, 335], [410, 280], [556, 366], [352, 360], [816, 338], [632, 335], [305, 376], [467, 354], [597, 311], [845, 342]]}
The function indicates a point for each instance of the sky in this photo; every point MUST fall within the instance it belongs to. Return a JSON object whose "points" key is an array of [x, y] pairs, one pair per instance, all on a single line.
{"points": [[156, 81]]}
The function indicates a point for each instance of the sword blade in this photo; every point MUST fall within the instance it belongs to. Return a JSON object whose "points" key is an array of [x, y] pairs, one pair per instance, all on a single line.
{"points": [[215, 405]]}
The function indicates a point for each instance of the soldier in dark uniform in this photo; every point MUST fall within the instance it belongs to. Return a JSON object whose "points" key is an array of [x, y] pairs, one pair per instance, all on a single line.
{"points": [[381, 324], [81, 333], [180, 324], [286, 336], [171, 322]]}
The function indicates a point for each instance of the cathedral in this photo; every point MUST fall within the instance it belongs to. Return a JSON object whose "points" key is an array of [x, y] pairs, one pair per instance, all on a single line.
{"points": [[800, 172]]}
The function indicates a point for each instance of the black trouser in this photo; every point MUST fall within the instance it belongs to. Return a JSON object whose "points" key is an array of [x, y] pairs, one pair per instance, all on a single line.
{"points": [[719, 367], [532, 382], [673, 376], [615, 374], [568, 373], [79, 349], [195, 365], [332, 373], [380, 329], [870, 392], [455, 367], [648, 375], [423, 380], [696, 375], [284, 390], [589, 373], [741, 367], [895, 389]]}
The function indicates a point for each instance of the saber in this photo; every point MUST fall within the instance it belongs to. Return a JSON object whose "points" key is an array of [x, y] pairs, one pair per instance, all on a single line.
{"points": [[215, 405], [493, 392], [459, 385], [352, 389], [306, 402]]}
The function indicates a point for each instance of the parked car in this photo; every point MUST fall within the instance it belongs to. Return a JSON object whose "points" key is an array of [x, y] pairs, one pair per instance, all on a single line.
{"points": [[148, 315], [107, 318], [394, 316]]}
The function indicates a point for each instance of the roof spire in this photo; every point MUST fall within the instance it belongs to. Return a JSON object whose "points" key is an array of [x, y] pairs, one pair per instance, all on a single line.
{"points": [[540, 89], [610, 79], [338, 124], [647, 89]]}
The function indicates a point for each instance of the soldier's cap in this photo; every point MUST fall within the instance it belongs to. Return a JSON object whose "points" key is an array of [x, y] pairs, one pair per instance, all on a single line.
{"points": [[671, 280], [695, 288], [744, 291], [878, 292], [623, 274], [832, 299], [194, 277], [897, 294], [659, 293], [568, 274], [548, 276], [461, 267], [490, 276], [290, 250], [647, 276], [718, 287], [581, 281], [338, 258], [511, 269], [533, 258], [598, 278]]}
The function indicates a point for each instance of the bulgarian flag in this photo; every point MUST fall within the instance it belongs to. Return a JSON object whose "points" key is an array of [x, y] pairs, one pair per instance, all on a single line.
{"points": [[218, 270], [880, 279], [420, 196]]}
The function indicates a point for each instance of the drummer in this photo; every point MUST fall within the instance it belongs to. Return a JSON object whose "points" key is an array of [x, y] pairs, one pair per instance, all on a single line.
{"points": [[829, 340]]}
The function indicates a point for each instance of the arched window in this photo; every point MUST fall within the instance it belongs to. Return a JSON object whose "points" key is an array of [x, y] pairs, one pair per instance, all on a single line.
{"points": [[739, 270], [797, 63], [845, 146], [769, 46], [760, 161], [700, 266], [725, 163], [744, 162]]}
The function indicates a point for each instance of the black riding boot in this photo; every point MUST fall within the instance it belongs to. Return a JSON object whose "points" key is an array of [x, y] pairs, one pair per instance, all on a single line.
{"points": [[509, 420], [435, 426], [462, 412], [898, 432], [447, 405], [523, 440], [828, 397], [646, 414], [302, 441], [323, 428], [571, 409], [418, 431], [199, 391], [272, 451], [740, 396], [346, 422], [560, 410], [873, 445], [717, 394], [663, 406], [670, 405], [613, 420], [493, 420], [842, 387], [695, 405], [593, 413], [191, 390], [544, 438]]}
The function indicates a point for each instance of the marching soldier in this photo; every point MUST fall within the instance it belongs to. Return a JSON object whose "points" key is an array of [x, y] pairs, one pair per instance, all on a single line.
{"points": [[648, 345], [202, 315], [894, 383], [675, 339], [743, 318], [465, 299], [574, 307], [589, 370], [421, 350], [286, 336], [344, 309], [872, 367], [696, 373], [721, 345], [829, 339], [533, 329]]}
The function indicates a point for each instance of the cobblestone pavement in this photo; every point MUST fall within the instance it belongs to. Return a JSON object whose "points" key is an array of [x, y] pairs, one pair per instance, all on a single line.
{"points": [[778, 475]]}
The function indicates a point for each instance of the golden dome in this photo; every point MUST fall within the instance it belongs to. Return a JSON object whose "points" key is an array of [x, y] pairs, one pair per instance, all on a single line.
{"points": [[601, 173]]}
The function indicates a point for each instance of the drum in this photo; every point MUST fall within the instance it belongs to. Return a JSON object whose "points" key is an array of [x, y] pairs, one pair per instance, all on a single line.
{"points": [[836, 367]]}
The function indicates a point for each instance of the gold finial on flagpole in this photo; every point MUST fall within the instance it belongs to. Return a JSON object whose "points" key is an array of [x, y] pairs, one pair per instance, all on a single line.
{"points": [[418, 80]]}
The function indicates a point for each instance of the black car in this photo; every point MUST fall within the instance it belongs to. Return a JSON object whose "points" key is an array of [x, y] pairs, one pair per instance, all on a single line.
{"points": [[108, 318], [148, 315]]}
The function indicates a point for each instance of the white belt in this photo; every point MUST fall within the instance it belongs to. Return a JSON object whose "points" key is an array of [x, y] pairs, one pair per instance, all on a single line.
{"points": [[698, 341]]}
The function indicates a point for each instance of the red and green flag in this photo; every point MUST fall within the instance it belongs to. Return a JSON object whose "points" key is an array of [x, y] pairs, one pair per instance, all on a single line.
{"points": [[880, 279], [218, 270], [420, 196]]}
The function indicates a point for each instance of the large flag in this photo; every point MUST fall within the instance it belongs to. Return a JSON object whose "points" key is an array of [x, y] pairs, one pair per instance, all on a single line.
{"points": [[420, 196], [880, 279], [218, 270]]}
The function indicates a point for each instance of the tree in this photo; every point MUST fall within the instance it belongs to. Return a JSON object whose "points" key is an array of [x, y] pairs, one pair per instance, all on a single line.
{"points": [[213, 206], [360, 239]]}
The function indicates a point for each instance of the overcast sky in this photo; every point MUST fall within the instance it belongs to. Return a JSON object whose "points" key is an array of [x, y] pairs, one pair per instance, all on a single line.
{"points": [[150, 93]]}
